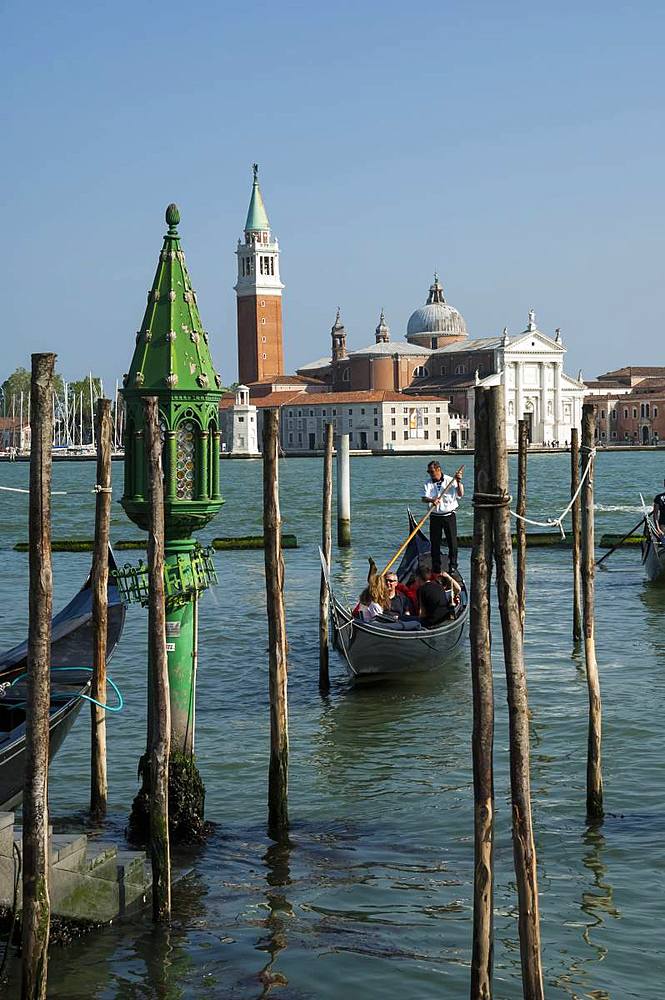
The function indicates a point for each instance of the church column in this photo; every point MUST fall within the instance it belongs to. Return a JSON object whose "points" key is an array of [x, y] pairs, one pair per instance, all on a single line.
{"points": [[519, 393], [543, 401], [558, 405]]}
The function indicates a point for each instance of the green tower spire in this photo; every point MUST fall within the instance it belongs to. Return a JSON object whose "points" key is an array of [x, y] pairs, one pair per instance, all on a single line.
{"points": [[257, 217], [172, 361]]}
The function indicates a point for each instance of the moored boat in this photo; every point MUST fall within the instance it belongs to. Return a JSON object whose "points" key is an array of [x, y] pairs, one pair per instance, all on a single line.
{"points": [[377, 650], [653, 552], [71, 654]]}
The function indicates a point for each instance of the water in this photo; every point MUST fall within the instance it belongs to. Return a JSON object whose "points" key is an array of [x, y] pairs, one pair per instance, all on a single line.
{"points": [[373, 896]]}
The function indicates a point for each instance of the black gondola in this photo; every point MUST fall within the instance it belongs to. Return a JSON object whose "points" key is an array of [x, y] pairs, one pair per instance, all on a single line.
{"points": [[71, 652], [373, 650]]}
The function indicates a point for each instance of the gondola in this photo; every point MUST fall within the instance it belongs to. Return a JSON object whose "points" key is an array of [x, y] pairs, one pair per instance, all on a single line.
{"points": [[373, 651], [653, 552], [71, 652]]}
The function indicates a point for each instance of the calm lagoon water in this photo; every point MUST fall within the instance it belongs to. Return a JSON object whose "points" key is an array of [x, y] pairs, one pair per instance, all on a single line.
{"points": [[373, 896]]}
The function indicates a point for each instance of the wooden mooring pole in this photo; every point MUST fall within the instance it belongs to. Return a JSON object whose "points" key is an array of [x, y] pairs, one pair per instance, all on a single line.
{"points": [[524, 851], [160, 716], [594, 774], [577, 533], [278, 812], [483, 714], [520, 526], [326, 546], [100, 576], [343, 492], [36, 901]]}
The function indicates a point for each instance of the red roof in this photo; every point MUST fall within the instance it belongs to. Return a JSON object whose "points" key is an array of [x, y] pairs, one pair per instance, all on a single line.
{"points": [[334, 398]]}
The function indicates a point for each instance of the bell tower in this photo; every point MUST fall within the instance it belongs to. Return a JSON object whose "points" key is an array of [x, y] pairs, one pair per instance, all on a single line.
{"points": [[259, 296]]}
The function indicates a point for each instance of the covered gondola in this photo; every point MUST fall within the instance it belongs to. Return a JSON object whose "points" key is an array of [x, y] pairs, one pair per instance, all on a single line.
{"points": [[377, 650], [653, 552], [71, 654]]}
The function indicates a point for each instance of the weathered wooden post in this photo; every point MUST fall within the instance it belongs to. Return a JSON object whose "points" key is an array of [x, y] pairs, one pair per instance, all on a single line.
{"points": [[483, 713], [100, 575], [343, 492], [36, 901], [520, 527], [594, 774], [577, 533], [326, 546], [278, 773], [160, 734], [524, 852]]}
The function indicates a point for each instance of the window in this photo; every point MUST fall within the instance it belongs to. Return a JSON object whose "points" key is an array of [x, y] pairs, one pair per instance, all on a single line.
{"points": [[376, 421], [290, 413], [350, 413], [646, 410], [362, 411], [420, 372], [392, 409], [263, 302], [438, 409], [438, 435], [263, 321], [263, 340], [392, 421], [346, 375], [426, 435], [426, 421], [311, 413], [614, 434], [375, 410], [300, 413], [613, 415], [242, 420], [438, 420], [460, 369], [299, 437], [655, 412], [323, 413], [393, 436], [602, 415], [406, 434], [376, 435], [290, 438], [443, 370], [406, 421], [264, 356], [634, 411]]}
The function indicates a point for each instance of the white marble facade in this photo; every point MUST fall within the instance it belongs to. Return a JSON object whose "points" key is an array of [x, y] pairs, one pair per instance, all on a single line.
{"points": [[530, 366]]}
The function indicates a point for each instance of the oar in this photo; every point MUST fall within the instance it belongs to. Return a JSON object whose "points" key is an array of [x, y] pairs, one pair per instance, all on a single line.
{"points": [[614, 547], [417, 528]]}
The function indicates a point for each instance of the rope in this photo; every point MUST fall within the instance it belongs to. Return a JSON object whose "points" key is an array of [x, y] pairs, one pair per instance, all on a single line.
{"points": [[555, 522], [108, 708], [15, 489], [491, 499], [62, 493]]}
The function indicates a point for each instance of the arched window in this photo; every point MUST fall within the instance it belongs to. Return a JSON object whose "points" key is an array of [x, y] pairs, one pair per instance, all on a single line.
{"points": [[443, 370], [185, 452], [420, 372], [646, 410], [460, 369], [346, 375]]}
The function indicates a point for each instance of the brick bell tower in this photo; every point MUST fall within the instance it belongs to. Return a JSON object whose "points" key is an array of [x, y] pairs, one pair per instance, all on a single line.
{"points": [[259, 295]]}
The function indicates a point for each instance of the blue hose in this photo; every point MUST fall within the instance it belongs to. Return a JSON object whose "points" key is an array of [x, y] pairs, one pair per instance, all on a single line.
{"points": [[107, 708]]}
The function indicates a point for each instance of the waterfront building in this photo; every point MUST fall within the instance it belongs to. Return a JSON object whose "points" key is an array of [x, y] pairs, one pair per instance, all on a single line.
{"points": [[239, 426], [376, 420], [630, 406]]}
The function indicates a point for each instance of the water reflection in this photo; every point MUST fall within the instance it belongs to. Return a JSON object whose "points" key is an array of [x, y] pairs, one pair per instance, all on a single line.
{"points": [[597, 902], [278, 876]]}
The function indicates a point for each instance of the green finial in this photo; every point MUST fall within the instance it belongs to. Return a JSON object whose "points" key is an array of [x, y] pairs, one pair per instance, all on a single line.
{"points": [[257, 217], [172, 216]]}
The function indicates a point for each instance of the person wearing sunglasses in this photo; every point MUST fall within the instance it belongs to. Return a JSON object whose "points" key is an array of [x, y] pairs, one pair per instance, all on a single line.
{"points": [[399, 602]]}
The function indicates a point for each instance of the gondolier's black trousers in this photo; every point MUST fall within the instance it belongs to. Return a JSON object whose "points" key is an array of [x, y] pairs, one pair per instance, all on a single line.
{"points": [[438, 525]]}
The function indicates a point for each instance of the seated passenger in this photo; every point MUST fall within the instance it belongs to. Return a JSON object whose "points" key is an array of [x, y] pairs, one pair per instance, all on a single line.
{"points": [[437, 597], [367, 609], [399, 602]]}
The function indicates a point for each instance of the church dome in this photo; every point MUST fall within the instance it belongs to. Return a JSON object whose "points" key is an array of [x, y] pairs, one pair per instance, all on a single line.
{"points": [[436, 319]]}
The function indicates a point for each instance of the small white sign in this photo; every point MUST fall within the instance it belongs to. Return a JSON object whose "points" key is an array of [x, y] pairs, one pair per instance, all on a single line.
{"points": [[170, 647], [173, 629]]}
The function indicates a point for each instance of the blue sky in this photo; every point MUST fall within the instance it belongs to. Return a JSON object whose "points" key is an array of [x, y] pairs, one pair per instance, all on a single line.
{"points": [[516, 148]]}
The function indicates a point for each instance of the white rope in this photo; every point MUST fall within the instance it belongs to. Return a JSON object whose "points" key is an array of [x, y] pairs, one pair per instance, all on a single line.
{"points": [[102, 489], [555, 522], [15, 489]]}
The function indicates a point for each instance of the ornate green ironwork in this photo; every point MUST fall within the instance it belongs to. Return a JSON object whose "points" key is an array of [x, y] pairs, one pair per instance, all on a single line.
{"points": [[187, 575]]}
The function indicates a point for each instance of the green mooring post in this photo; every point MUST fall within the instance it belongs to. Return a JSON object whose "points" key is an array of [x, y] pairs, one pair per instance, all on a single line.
{"points": [[172, 362]]}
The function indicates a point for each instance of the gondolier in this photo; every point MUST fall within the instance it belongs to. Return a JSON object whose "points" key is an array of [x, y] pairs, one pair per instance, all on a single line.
{"points": [[443, 493]]}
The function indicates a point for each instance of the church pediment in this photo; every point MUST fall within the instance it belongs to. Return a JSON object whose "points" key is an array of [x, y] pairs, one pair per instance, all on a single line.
{"points": [[533, 342]]}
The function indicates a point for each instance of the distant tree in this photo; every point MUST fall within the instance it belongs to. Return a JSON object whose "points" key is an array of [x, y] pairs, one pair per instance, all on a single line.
{"points": [[19, 382]]}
